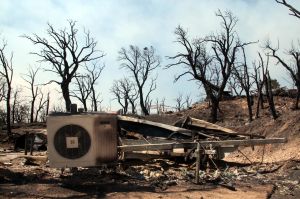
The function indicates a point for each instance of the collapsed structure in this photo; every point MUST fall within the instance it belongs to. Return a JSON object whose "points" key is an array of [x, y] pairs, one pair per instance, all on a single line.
{"points": [[90, 139]]}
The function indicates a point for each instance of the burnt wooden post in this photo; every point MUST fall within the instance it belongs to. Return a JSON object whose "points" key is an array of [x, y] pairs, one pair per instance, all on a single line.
{"points": [[197, 162]]}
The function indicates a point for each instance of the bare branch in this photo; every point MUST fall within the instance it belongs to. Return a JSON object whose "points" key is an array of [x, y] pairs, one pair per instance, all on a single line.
{"points": [[293, 10]]}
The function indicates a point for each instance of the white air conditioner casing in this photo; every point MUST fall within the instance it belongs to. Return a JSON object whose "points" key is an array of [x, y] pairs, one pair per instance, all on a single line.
{"points": [[81, 140]]}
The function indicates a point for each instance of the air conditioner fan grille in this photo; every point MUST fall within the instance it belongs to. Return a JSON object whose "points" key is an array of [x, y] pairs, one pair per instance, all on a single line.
{"points": [[72, 141]]}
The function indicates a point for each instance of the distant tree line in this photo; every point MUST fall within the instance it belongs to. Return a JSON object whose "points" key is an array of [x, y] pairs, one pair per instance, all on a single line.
{"points": [[218, 62]]}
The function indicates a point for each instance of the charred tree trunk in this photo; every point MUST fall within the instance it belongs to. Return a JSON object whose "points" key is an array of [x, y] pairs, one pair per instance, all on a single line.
{"points": [[133, 111], [48, 104], [257, 105], [249, 104], [142, 103], [66, 95], [8, 114], [14, 106], [214, 109], [7, 74], [94, 100], [32, 110], [270, 95]]}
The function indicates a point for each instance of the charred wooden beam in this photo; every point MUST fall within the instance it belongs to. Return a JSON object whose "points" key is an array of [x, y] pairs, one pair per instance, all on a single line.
{"points": [[209, 128], [153, 129]]}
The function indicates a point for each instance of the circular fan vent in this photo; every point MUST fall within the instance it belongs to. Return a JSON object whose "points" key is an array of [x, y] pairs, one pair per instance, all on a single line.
{"points": [[72, 141]]}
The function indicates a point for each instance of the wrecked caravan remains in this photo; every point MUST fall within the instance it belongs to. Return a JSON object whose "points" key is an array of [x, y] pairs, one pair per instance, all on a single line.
{"points": [[86, 139]]}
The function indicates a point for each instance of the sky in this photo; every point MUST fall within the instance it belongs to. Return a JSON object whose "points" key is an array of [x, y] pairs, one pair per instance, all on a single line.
{"points": [[119, 23]]}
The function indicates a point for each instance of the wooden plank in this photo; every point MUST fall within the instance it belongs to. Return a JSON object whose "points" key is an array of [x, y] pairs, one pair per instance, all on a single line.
{"points": [[147, 122], [150, 128], [189, 145], [209, 126]]}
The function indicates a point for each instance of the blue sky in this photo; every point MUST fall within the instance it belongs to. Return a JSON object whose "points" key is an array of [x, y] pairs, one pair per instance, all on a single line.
{"points": [[116, 24]]}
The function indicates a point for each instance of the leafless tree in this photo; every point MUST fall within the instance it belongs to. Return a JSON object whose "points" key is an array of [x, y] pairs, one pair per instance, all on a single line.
{"points": [[242, 74], [149, 105], [44, 108], [267, 84], [30, 78], [163, 103], [179, 102], [16, 103], [259, 85], [212, 70], [157, 106], [120, 94], [125, 93], [93, 74], [234, 86], [188, 101], [63, 51], [21, 113], [41, 105], [6, 72], [141, 63], [82, 90], [293, 10], [269, 94], [293, 67], [57, 108]]}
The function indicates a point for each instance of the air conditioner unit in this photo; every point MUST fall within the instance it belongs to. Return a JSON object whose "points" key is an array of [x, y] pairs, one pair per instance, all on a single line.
{"points": [[81, 140]]}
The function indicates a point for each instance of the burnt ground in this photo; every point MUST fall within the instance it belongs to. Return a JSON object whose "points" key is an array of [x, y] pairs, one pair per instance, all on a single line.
{"points": [[265, 172]]}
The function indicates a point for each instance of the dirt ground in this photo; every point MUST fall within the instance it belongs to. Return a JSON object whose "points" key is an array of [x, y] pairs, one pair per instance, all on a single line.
{"points": [[29, 177], [272, 171]]}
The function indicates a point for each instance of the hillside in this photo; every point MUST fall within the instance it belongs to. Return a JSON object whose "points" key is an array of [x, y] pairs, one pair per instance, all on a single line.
{"points": [[235, 116]]}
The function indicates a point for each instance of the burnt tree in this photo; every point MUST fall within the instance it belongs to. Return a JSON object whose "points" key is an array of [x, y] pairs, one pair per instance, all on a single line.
{"points": [[15, 104], [82, 90], [65, 54], [30, 78], [241, 72], [259, 85], [126, 94], [141, 63], [7, 73], [212, 70], [293, 66], [119, 90], [93, 74], [267, 85], [41, 105], [234, 86], [188, 101], [179, 102]]}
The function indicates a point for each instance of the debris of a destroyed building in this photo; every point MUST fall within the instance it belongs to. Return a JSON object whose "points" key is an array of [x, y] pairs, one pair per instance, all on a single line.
{"points": [[94, 142]]}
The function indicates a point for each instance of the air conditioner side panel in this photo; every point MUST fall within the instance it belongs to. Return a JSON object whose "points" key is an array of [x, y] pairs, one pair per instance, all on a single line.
{"points": [[105, 135]]}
